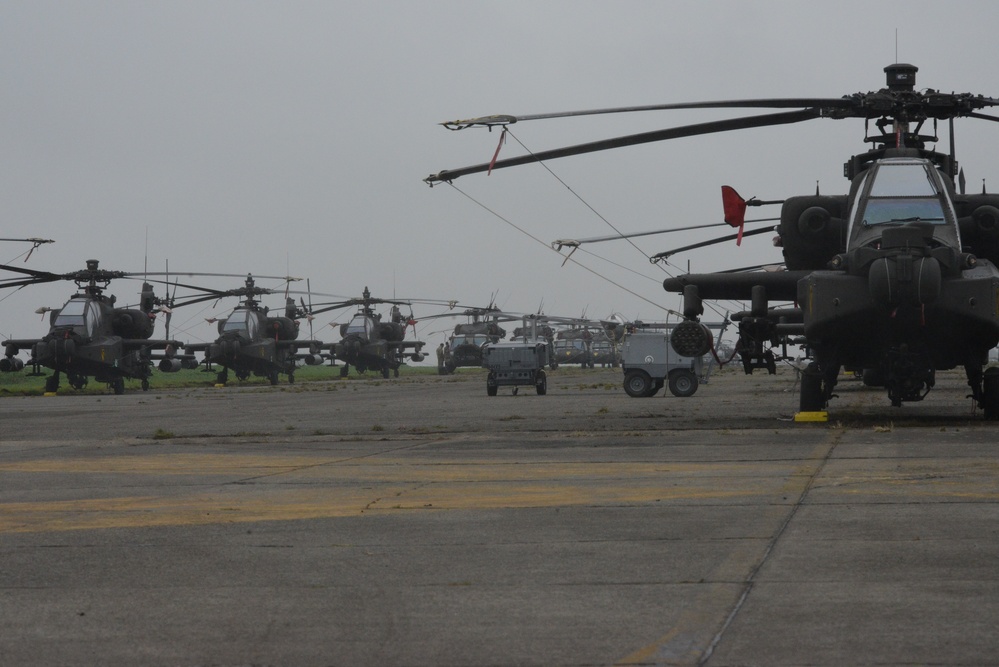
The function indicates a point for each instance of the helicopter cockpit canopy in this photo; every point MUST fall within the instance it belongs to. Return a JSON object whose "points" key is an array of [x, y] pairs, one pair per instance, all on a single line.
{"points": [[83, 315], [897, 191], [241, 322], [478, 340], [570, 344], [360, 325]]}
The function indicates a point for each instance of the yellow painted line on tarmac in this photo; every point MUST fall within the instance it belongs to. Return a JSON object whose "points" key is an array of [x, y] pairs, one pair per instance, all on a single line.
{"points": [[308, 487], [166, 464], [187, 510], [472, 469], [304, 486]]}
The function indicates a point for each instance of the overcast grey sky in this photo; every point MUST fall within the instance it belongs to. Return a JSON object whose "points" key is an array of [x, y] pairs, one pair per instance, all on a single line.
{"points": [[277, 137]]}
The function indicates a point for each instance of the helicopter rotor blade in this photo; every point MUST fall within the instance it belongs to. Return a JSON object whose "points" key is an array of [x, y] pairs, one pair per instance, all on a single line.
{"points": [[983, 116], [41, 276], [560, 243], [308, 288], [702, 244], [742, 123], [776, 103]]}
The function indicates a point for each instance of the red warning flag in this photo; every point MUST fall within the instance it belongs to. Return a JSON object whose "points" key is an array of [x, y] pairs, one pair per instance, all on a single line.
{"points": [[735, 210]]}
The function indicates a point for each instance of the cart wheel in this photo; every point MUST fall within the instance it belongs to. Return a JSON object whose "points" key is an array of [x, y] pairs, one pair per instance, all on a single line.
{"points": [[637, 383], [682, 383]]}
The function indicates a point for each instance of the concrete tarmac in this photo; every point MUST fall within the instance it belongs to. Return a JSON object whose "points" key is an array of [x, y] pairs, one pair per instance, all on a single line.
{"points": [[416, 521]]}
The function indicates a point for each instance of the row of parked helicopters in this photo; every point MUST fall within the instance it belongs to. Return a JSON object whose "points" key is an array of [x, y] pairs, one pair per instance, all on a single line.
{"points": [[896, 279], [570, 340], [92, 337]]}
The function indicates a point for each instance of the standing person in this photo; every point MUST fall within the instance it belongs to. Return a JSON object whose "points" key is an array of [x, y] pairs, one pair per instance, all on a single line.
{"points": [[440, 359]]}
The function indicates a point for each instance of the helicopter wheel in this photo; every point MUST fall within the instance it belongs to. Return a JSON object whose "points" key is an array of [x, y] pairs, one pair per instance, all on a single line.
{"points": [[78, 381], [812, 399], [541, 384], [118, 386], [990, 394], [396, 372], [291, 378], [273, 377], [491, 385], [222, 377], [344, 370], [145, 384], [385, 373], [52, 383]]}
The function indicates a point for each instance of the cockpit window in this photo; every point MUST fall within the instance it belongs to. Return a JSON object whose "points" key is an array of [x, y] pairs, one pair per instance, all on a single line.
{"points": [[892, 210], [477, 340], [236, 322], [903, 180], [83, 315], [71, 314], [358, 326], [903, 193]]}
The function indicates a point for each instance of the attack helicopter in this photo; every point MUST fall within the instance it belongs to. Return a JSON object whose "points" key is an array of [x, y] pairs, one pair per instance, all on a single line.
{"points": [[89, 336], [251, 340], [463, 347], [586, 343], [896, 279], [367, 342]]}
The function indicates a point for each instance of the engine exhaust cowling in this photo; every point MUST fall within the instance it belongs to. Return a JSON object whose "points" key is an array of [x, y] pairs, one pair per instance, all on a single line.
{"points": [[11, 365]]}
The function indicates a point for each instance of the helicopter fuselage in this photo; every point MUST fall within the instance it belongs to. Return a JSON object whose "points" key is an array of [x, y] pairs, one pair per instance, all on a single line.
{"points": [[89, 337], [904, 298], [252, 343], [886, 281]]}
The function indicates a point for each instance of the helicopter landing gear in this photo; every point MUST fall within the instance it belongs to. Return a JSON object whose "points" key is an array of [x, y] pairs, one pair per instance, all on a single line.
{"points": [[491, 386], [812, 397], [396, 372], [291, 378], [541, 383], [52, 383], [344, 370], [222, 377], [385, 373], [273, 377], [145, 384], [117, 386], [990, 394]]}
